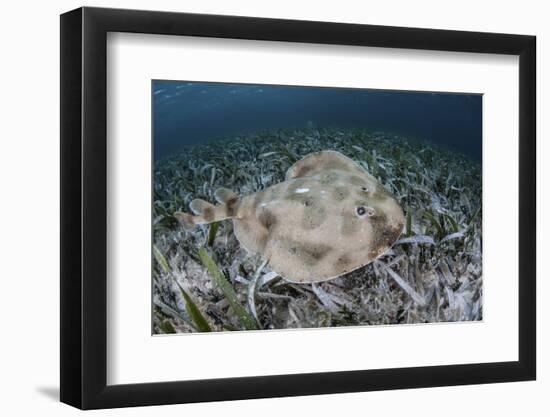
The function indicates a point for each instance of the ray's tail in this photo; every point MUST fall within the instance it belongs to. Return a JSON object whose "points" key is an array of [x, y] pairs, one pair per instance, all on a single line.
{"points": [[205, 212]]}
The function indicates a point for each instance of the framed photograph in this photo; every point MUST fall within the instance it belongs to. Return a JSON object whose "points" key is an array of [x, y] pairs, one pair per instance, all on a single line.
{"points": [[257, 208]]}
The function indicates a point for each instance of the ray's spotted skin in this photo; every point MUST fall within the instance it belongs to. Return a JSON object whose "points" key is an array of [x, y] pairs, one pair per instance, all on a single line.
{"points": [[329, 217]]}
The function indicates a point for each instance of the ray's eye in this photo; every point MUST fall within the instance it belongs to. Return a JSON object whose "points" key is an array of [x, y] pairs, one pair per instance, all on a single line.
{"points": [[365, 189], [363, 211]]}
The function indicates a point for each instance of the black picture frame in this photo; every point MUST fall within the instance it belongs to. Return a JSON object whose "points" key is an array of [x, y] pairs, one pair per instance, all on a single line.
{"points": [[84, 207]]}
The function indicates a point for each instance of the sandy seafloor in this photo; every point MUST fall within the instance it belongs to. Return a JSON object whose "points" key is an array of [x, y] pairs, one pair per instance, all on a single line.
{"points": [[432, 274]]}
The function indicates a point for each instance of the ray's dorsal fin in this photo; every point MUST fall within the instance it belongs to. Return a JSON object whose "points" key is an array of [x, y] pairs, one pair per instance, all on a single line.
{"points": [[206, 212], [202, 208], [186, 220], [229, 200], [223, 195], [322, 161]]}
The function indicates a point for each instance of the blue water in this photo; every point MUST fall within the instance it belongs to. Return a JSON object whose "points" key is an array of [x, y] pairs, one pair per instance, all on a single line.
{"points": [[187, 113]]}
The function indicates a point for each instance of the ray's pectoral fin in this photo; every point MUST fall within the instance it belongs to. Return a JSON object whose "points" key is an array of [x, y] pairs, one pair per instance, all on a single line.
{"points": [[254, 228], [222, 195], [229, 199], [187, 220], [321, 161], [206, 212], [252, 237]]}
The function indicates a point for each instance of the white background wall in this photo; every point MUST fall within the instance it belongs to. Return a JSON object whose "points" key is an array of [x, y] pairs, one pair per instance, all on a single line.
{"points": [[29, 176]]}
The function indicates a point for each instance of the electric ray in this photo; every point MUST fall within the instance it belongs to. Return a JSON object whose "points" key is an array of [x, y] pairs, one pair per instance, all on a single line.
{"points": [[328, 217]]}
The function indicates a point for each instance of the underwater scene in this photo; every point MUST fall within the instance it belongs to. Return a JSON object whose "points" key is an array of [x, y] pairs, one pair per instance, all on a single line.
{"points": [[283, 207]]}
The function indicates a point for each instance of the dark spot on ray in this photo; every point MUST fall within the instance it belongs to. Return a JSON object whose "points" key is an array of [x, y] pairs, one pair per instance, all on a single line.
{"points": [[343, 263], [373, 253], [383, 235], [350, 224], [328, 177], [315, 252], [231, 206], [302, 171], [309, 254], [261, 241], [396, 231], [208, 213], [340, 192], [378, 223], [356, 180], [335, 164], [267, 219], [314, 216]]}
